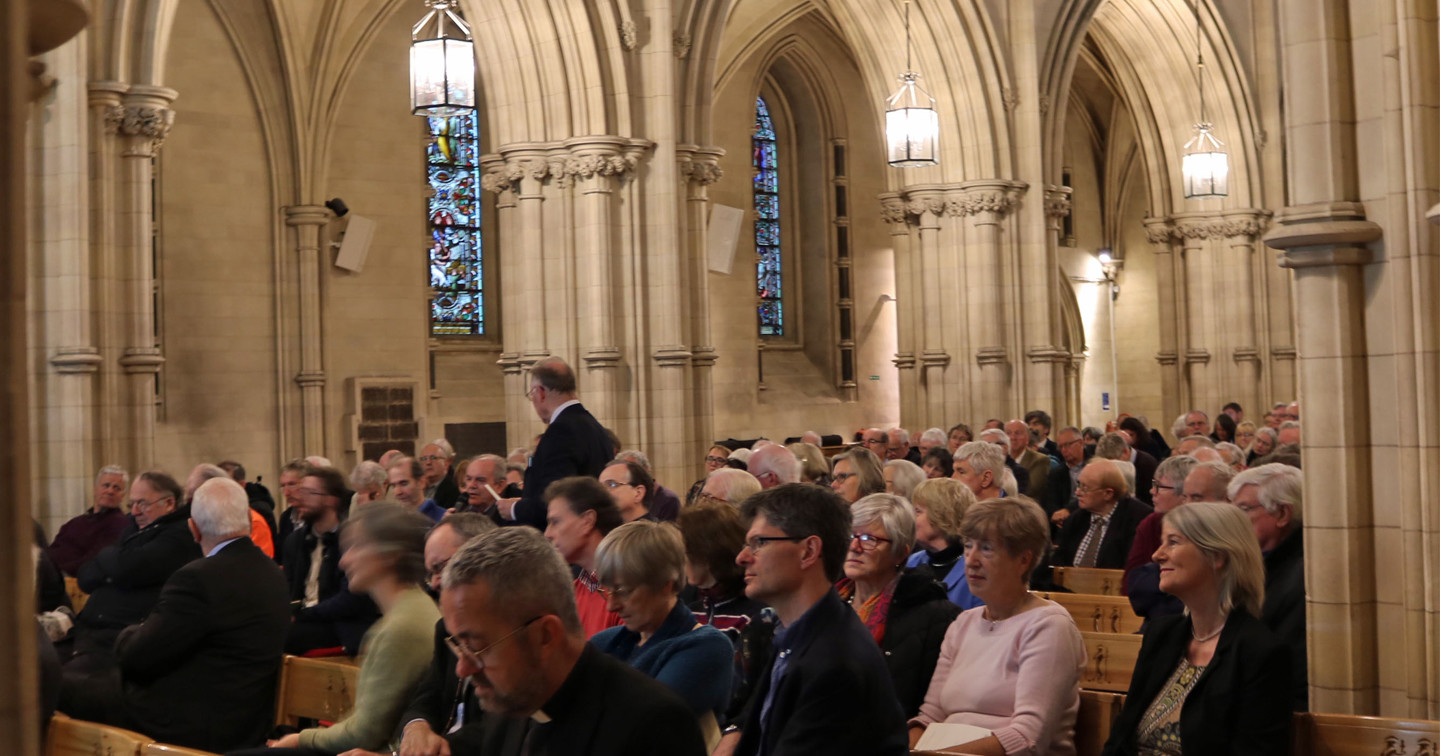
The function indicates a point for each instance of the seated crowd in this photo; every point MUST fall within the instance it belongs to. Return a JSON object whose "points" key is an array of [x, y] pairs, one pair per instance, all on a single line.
{"points": [[870, 599]]}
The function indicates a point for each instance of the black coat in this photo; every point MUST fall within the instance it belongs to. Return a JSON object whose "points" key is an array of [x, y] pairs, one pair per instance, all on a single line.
{"points": [[125, 578], [1241, 704], [349, 614], [446, 492], [920, 613], [836, 697], [1145, 465], [574, 444], [1284, 610], [435, 698], [604, 708], [201, 671], [1115, 547]]}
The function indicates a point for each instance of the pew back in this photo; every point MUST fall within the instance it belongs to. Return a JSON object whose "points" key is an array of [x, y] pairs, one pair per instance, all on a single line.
{"points": [[1090, 580], [1343, 735], [1098, 614], [1098, 710], [161, 749], [315, 689], [76, 737], [1110, 659]]}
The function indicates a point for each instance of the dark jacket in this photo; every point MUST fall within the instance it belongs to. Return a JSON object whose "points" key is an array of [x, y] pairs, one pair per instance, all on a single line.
{"points": [[1241, 704], [1115, 547], [201, 671], [1145, 465], [835, 697], [447, 493], [574, 444], [82, 538], [348, 614], [1022, 476], [920, 613], [604, 708], [125, 578], [1284, 610], [435, 699]]}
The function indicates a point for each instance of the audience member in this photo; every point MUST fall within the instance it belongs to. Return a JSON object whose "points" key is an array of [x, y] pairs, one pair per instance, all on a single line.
{"points": [[814, 467], [369, 481], [574, 443], [875, 440], [827, 674], [1215, 679], [901, 477], [1245, 436], [1197, 423], [739, 459], [1142, 437], [484, 478], [938, 463], [1018, 480], [289, 520], [897, 446], [932, 438], [906, 611], [664, 504], [1272, 497], [327, 613], [812, 438], [1264, 443], [259, 529], [856, 473], [1190, 444], [581, 514], [641, 568], [940, 507], [1041, 424], [1036, 464], [1224, 429], [1208, 481], [631, 487], [1120, 446], [406, 477], [979, 465], [1288, 434], [80, 539], [1013, 665], [257, 495], [1231, 455], [437, 476], [1100, 533], [510, 586], [514, 480], [1060, 490], [201, 670], [730, 486], [1141, 582], [774, 465], [994, 423], [958, 436]]}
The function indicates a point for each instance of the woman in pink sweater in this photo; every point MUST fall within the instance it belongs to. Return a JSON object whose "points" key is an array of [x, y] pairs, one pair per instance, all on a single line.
{"points": [[1013, 665]]}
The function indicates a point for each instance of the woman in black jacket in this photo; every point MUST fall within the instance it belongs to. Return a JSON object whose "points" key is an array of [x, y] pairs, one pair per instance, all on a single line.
{"points": [[906, 611], [1214, 680]]}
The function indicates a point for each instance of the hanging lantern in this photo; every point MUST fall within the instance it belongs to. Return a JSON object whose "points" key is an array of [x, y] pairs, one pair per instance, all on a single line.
{"points": [[1205, 166], [912, 126], [442, 63]]}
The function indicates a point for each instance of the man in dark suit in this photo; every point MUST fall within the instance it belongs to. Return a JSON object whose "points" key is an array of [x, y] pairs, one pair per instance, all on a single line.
{"points": [[437, 462], [1101, 532], [1040, 422], [574, 443], [1035, 463], [1059, 500], [201, 671], [507, 605], [327, 614], [827, 675]]}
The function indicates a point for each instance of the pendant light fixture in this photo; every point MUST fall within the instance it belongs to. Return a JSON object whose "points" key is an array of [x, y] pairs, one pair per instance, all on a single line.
{"points": [[912, 127], [442, 62], [1205, 166]]}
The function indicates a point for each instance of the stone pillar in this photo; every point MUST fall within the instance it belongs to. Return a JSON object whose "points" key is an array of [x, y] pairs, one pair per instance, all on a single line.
{"points": [[1066, 384], [1160, 235], [307, 220], [499, 178], [1200, 312], [897, 213], [920, 300], [986, 205], [1238, 275], [701, 168]]}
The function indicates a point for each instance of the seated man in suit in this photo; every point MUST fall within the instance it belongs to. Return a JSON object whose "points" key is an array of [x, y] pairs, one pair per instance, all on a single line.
{"points": [[437, 461], [82, 538], [1101, 532], [1059, 500], [327, 614], [827, 674], [1036, 464], [507, 604], [201, 671]]}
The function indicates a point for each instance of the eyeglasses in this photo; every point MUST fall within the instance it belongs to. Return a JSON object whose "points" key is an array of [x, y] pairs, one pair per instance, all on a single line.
{"points": [[716, 460], [867, 542], [531, 393], [618, 593], [144, 504], [476, 658], [431, 458], [614, 484], [1159, 487], [1082, 489], [842, 477], [1071, 442], [707, 496], [759, 542]]}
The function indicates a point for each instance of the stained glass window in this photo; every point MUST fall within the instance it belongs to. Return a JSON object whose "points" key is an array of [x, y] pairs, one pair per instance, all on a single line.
{"points": [[766, 191], [456, 276]]}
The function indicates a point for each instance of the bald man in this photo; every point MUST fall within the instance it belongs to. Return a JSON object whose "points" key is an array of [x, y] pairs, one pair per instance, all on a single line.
{"points": [[1101, 532]]}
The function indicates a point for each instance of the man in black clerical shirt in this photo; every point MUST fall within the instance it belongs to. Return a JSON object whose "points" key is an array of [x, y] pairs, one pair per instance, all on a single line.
{"points": [[508, 604]]}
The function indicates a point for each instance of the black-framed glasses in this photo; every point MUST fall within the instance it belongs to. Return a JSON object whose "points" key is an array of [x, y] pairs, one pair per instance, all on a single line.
{"points": [[717, 460], [842, 477], [867, 542], [759, 542], [460, 649], [1159, 487]]}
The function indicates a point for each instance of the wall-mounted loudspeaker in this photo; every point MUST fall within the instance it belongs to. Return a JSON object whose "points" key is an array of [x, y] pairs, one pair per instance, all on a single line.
{"points": [[359, 232]]}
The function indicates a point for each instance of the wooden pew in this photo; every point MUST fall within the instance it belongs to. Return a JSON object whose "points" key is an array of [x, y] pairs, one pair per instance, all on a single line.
{"points": [[1344, 735], [315, 689], [1110, 659], [77, 596], [76, 737], [161, 749], [1098, 614], [1090, 580], [1098, 710]]}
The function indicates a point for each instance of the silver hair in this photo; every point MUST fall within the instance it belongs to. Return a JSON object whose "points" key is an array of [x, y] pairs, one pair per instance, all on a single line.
{"points": [[638, 457], [525, 575], [1112, 446], [645, 553], [775, 459], [1269, 433], [934, 436], [735, 485], [982, 456], [903, 434], [997, 434], [368, 474], [894, 513], [315, 460], [907, 476], [1235, 454], [1178, 429], [1289, 424], [1127, 471], [113, 470], [202, 473], [741, 454], [1279, 484], [1009, 483], [1220, 475], [221, 509], [1175, 469], [493, 459], [518, 454], [444, 446]]}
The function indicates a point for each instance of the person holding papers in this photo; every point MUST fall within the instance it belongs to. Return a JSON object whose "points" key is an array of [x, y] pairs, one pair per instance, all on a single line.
{"points": [[1008, 678]]}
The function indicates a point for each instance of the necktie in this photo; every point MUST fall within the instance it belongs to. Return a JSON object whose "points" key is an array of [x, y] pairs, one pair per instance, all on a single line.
{"points": [[1091, 546]]}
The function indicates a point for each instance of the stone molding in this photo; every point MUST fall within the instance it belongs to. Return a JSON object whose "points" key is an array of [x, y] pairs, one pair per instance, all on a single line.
{"points": [[1323, 234], [1194, 356], [1047, 354], [934, 358], [601, 357], [141, 360], [1248, 224], [1284, 353], [1246, 354], [993, 355], [704, 356], [1167, 358], [509, 363], [700, 165], [672, 356], [307, 215], [76, 360], [997, 197], [580, 158], [310, 379], [904, 360]]}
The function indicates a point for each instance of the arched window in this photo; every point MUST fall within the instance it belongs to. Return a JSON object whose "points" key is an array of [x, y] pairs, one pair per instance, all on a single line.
{"points": [[769, 268], [456, 276]]}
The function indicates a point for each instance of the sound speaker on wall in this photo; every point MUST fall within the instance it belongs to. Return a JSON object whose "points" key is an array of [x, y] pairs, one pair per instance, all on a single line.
{"points": [[359, 232], [724, 234]]}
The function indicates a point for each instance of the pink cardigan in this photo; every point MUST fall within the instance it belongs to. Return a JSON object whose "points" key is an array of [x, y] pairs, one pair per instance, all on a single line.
{"points": [[1019, 678]]}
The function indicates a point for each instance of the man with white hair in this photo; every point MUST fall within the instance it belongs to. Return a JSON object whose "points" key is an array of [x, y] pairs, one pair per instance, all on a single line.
{"points": [[1272, 496], [980, 465], [774, 465], [1197, 423], [484, 477], [932, 438], [259, 530], [1289, 433], [201, 670], [80, 539], [875, 440], [998, 437], [811, 437], [730, 485], [439, 476], [897, 446]]}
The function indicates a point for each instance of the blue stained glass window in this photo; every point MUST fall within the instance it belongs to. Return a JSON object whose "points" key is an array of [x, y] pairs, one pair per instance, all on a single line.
{"points": [[452, 149], [769, 265]]}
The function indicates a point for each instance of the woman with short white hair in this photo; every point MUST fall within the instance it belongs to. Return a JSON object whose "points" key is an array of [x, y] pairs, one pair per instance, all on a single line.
{"points": [[901, 477], [906, 611], [369, 482]]}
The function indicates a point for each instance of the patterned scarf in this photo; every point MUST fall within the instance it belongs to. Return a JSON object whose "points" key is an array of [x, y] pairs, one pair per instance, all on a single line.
{"points": [[875, 611]]}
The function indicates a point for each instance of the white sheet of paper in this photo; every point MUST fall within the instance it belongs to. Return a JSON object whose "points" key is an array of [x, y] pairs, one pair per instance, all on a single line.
{"points": [[944, 735]]}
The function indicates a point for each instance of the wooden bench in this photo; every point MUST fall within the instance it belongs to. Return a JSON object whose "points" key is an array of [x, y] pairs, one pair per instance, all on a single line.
{"points": [[1098, 710], [315, 689], [76, 737], [1098, 614], [77, 596], [1344, 734], [1109, 661], [1090, 580], [161, 749]]}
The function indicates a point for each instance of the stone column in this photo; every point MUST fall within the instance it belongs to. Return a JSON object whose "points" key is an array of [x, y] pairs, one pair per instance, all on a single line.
{"points": [[701, 168], [1066, 380], [1160, 234], [307, 220], [1242, 321], [142, 121], [499, 178], [898, 212], [920, 300], [986, 205], [1200, 311]]}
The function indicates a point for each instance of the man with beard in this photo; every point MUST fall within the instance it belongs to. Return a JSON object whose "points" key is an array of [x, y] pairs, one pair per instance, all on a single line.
{"points": [[327, 614], [508, 606]]}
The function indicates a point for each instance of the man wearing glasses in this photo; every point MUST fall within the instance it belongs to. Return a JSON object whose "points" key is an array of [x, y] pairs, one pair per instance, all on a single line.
{"points": [[508, 607], [827, 673]]}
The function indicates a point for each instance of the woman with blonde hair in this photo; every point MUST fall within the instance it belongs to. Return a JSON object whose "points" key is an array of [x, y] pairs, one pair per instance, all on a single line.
{"points": [[814, 468], [1245, 435], [940, 505], [856, 473], [1215, 679]]}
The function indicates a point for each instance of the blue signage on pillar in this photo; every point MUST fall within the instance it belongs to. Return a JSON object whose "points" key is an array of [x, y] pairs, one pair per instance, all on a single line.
{"points": [[1104, 400]]}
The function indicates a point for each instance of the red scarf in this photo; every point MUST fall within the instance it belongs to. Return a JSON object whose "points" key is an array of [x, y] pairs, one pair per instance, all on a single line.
{"points": [[875, 611]]}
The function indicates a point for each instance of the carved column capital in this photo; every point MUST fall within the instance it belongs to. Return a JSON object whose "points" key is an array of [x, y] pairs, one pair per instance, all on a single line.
{"points": [[991, 198], [892, 208], [1159, 232], [1057, 204]]}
